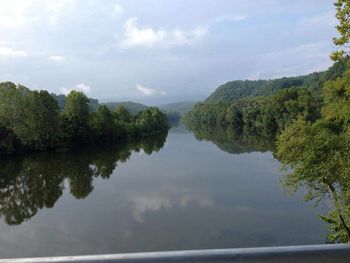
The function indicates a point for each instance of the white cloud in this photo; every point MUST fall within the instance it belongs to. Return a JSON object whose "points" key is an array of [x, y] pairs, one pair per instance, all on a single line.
{"points": [[145, 91], [12, 13], [155, 201], [9, 52], [79, 87], [18, 13], [149, 37], [54, 10], [57, 58], [236, 18], [305, 51], [325, 19], [149, 91], [117, 10], [148, 203], [315, 57]]}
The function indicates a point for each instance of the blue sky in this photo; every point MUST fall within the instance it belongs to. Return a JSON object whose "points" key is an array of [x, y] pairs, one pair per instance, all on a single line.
{"points": [[160, 51]]}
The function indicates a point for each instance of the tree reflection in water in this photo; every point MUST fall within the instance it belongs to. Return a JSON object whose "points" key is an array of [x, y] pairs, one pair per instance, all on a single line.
{"points": [[232, 141], [325, 179], [33, 182]]}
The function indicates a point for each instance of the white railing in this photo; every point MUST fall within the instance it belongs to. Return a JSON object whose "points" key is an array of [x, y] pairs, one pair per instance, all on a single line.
{"points": [[296, 254]]}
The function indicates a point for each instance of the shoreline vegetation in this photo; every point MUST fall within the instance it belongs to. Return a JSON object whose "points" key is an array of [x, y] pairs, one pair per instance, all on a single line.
{"points": [[33, 121], [307, 131], [266, 106], [309, 117]]}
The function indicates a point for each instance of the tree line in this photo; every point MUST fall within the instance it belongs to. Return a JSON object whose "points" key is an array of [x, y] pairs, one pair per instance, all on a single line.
{"points": [[259, 114], [284, 100], [33, 121]]}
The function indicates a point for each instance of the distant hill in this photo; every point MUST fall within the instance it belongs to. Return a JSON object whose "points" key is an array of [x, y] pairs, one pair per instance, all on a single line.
{"points": [[238, 89], [180, 107], [264, 106], [132, 107]]}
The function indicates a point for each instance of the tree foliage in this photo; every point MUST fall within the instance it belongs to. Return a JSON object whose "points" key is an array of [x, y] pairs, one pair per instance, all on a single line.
{"points": [[343, 28], [122, 114], [337, 99], [259, 114], [32, 120], [40, 127], [151, 119], [75, 118], [317, 154]]}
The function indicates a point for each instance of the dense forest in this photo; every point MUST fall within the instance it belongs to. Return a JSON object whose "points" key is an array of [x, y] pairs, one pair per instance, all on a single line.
{"points": [[310, 119], [270, 113], [34, 121]]}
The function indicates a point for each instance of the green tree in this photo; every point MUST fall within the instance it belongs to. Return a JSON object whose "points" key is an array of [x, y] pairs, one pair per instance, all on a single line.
{"points": [[317, 157], [10, 105], [40, 127], [102, 123], [337, 99], [9, 142], [152, 120], [343, 28], [77, 106], [234, 116], [122, 114], [75, 118]]}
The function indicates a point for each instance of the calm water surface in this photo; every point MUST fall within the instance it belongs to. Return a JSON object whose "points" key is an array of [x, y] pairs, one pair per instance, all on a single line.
{"points": [[165, 193]]}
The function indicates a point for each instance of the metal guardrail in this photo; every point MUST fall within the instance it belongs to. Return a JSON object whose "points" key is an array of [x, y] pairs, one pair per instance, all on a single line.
{"points": [[296, 254]]}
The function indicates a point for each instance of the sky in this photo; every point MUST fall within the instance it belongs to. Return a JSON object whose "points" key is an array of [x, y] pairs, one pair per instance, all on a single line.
{"points": [[160, 51]]}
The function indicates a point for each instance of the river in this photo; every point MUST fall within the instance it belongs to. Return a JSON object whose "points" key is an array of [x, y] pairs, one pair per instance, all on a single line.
{"points": [[167, 192]]}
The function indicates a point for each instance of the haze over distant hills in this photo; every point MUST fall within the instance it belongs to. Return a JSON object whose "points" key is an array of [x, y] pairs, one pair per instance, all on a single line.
{"points": [[176, 108], [180, 107], [132, 107], [135, 107], [228, 92]]}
